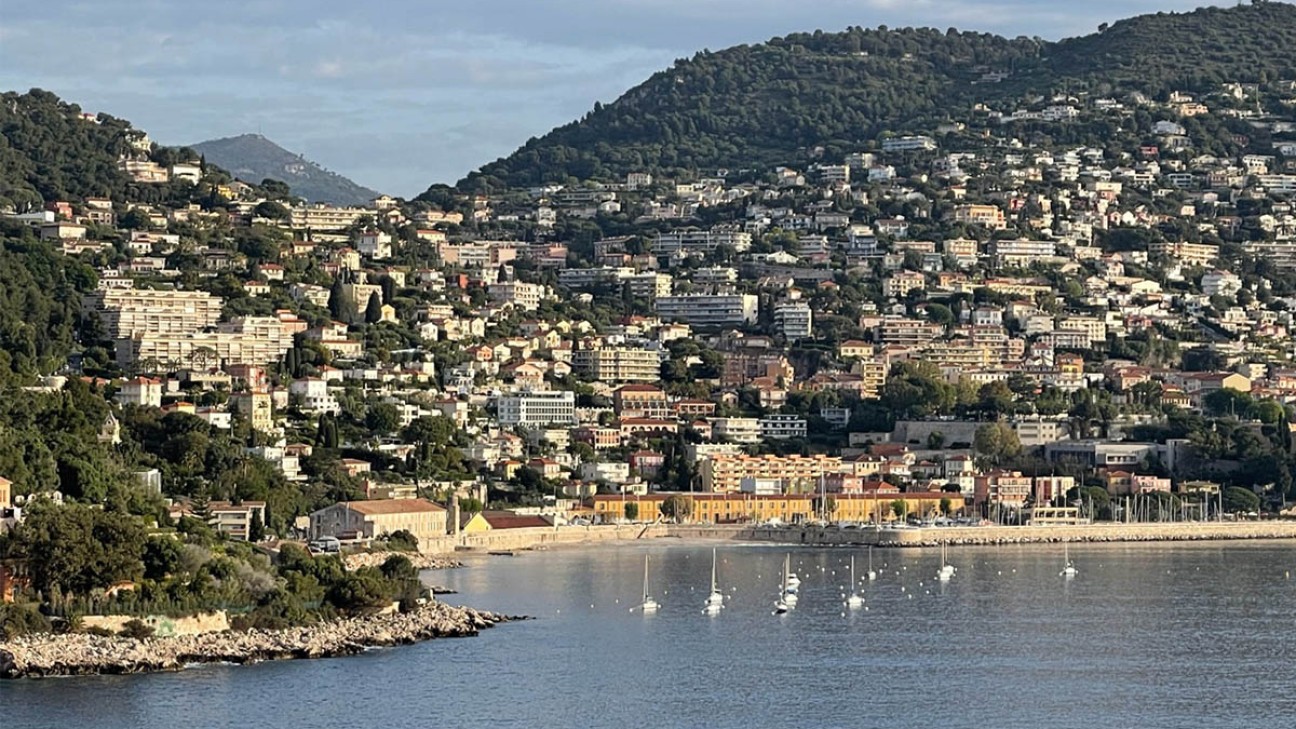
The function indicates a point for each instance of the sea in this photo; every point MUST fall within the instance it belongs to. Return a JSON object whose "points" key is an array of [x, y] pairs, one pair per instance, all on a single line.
{"points": [[1146, 636]]}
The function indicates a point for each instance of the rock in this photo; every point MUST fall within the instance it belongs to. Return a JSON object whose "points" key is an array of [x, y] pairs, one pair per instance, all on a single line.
{"points": [[77, 654]]}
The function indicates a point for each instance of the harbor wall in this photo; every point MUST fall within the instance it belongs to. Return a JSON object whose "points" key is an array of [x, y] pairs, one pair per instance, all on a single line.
{"points": [[507, 540]]}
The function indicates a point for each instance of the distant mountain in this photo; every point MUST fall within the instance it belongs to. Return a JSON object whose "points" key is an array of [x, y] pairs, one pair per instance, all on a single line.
{"points": [[755, 106], [252, 158]]}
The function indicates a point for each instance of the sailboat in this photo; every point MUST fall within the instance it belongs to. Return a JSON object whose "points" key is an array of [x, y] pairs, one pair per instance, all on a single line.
{"points": [[792, 583], [787, 600], [648, 605], [714, 601], [947, 570], [854, 601], [871, 574], [1068, 569]]}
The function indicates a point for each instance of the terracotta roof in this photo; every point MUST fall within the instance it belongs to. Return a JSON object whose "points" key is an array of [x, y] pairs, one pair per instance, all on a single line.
{"points": [[393, 506]]}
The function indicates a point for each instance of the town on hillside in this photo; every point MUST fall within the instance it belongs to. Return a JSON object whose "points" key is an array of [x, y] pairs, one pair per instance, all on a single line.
{"points": [[965, 323]]}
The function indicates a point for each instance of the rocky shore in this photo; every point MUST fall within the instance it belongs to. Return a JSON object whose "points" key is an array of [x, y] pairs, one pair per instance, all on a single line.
{"points": [[420, 561], [79, 654]]}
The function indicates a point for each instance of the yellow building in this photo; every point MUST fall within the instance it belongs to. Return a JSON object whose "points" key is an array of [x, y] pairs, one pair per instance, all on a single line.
{"points": [[790, 508]]}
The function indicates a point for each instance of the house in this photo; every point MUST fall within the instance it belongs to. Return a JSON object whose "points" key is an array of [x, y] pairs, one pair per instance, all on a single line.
{"points": [[236, 521], [371, 519], [142, 391]]}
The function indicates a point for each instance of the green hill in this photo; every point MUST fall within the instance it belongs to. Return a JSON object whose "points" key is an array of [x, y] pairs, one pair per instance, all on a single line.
{"points": [[49, 151], [761, 105], [252, 158]]}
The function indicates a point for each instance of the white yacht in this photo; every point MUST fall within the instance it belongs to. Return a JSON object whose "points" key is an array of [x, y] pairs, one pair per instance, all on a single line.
{"points": [[854, 602], [648, 605], [714, 601]]}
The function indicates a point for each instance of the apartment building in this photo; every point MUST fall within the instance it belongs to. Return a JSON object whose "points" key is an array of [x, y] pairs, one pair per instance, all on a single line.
{"points": [[736, 430], [794, 319], [326, 217], [795, 474], [1021, 252], [257, 340], [909, 332], [908, 143], [128, 312], [618, 364], [700, 241], [703, 310], [479, 254], [782, 427], [1189, 254], [535, 408], [525, 296]]}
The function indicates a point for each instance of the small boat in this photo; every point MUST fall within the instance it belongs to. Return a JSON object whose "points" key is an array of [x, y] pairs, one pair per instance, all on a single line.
{"points": [[871, 574], [648, 605], [1068, 569], [781, 607], [854, 602], [714, 601]]}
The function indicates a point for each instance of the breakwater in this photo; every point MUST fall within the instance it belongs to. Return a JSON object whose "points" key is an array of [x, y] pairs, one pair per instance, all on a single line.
{"points": [[989, 535], [81, 654]]}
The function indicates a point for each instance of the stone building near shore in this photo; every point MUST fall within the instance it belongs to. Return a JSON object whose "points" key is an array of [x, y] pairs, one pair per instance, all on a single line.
{"points": [[370, 519]]}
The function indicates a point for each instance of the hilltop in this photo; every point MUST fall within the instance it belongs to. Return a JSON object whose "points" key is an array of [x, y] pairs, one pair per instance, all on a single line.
{"points": [[754, 106], [252, 158]]}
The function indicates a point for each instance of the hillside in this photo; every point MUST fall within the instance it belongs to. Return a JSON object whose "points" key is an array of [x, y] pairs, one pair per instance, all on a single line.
{"points": [[766, 104], [50, 151], [253, 158]]}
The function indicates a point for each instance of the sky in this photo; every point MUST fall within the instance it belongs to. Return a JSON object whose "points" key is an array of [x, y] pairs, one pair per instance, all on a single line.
{"points": [[400, 94]]}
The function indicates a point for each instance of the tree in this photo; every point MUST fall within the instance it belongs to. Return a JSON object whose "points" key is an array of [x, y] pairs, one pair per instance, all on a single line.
{"points": [[271, 210], [631, 511], [75, 549], [935, 440], [1240, 500], [995, 399], [382, 418], [373, 310], [899, 507], [945, 505], [341, 305], [996, 442], [677, 507]]}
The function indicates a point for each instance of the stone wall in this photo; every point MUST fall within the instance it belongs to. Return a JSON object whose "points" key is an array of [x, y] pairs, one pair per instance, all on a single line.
{"points": [[1179, 531], [162, 625]]}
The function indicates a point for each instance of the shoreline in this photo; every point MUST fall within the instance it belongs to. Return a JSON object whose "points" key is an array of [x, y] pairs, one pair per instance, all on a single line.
{"points": [[523, 540], [49, 655]]}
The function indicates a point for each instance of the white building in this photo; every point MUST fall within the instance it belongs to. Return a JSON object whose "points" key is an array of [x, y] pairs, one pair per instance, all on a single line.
{"points": [[535, 408], [140, 391], [794, 319], [312, 395], [709, 309], [736, 430], [1221, 283], [780, 427]]}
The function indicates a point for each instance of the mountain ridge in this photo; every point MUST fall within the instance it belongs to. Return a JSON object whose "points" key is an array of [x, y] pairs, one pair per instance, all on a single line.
{"points": [[758, 105], [253, 158]]}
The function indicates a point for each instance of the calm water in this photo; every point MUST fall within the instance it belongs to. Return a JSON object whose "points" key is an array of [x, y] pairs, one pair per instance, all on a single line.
{"points": [[1148, 636]]}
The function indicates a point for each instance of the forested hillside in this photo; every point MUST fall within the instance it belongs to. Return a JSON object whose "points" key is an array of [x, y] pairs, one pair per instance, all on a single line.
{"points": [[48, 151], [753, 106]]}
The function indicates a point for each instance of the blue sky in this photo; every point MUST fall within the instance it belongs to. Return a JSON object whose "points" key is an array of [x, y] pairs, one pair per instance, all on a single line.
{"points": [[398, 94]]}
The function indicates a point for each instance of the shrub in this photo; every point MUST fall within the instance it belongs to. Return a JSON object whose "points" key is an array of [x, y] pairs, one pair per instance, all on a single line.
{"points": [[137, 629], [16, 620]]}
